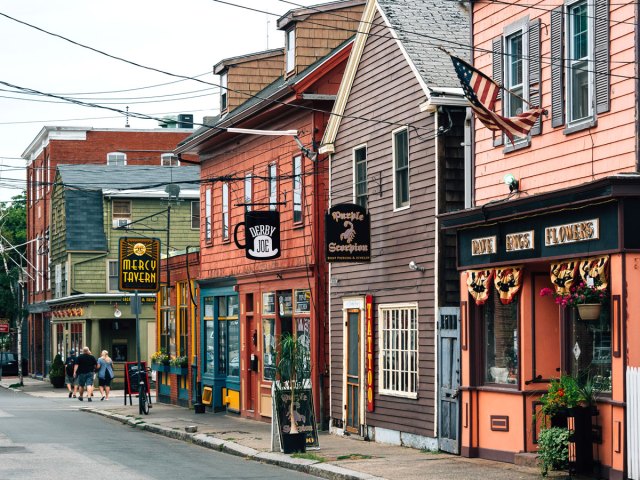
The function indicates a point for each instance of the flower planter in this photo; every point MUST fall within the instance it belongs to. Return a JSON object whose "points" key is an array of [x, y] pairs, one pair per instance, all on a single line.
{"points": [[589, 311], [182, 371], [159, 367]]}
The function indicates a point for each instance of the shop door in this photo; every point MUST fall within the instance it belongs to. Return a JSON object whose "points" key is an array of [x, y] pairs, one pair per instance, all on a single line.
{"points": [[352, 403], [254, 375], [449, 379]]}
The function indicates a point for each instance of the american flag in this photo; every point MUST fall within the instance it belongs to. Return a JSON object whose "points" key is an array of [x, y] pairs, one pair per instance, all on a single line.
{"points": [[482, 93]]}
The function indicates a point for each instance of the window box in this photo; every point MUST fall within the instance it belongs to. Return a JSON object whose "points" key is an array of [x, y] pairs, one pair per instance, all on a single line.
{"points": [[159, 367], [182, 371]]}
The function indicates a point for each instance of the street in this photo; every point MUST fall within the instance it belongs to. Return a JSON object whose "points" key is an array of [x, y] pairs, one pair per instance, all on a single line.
{"points": [[48, 438]]}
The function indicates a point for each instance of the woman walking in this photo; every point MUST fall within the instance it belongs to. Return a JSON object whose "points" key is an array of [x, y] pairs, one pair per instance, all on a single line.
{"points": [[105, 374]]}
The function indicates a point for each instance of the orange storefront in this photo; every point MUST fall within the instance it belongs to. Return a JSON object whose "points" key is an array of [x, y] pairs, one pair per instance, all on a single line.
{"points": [[515, 339]]}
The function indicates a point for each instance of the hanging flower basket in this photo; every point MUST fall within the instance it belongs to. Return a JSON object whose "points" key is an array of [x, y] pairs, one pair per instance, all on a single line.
{"points": [[589, 311]]}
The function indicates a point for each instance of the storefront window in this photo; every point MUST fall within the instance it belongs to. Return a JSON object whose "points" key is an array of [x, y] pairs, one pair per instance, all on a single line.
{"points": [[269, 348], [228, 336], [233, 359], [588, 348], [183, 316], [164, 318], [501, 357], [209, 335]]}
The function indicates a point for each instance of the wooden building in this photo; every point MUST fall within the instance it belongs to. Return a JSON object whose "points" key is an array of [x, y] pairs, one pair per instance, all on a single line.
{"points": [[566, 215], [246, 304], [57, 145], [396, 140]]}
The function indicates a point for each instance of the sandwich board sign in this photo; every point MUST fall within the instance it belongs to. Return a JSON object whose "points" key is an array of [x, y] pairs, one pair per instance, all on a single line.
{"points": [[139, 262]]}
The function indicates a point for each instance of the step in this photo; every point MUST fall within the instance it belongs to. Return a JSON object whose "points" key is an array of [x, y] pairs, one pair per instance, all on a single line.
{"points": [[526, 459]]}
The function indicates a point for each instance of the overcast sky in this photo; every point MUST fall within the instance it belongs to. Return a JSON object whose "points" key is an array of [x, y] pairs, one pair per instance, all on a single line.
{"points": [[181, 37]]}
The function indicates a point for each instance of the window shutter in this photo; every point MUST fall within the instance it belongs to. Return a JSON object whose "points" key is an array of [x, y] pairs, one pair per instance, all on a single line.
{"points": [[601, 55], [534, 71], [497, 77], [557, 67]]}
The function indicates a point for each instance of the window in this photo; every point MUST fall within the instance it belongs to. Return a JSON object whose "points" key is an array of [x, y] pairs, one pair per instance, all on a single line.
{"points": [[116, 159], [398, 357], [360, 175], [291, 49], [225, 211], [165, 319], [273, 187], [588, 348], [514, 74], [183, 309], [209, 336], [297, 189], [207, 215], [169, 160], [113, 276], [578, 57], [500, 325], [121, 214], [401, 168], [195, 215], [248, 191], [223, 92]]}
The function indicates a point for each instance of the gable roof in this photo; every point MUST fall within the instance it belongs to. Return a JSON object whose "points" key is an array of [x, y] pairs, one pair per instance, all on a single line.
{"points": [[418, 27]]}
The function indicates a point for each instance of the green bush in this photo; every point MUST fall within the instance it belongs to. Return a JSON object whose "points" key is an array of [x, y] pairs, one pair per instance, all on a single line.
{"points": [[553, 449], [57, 368]]}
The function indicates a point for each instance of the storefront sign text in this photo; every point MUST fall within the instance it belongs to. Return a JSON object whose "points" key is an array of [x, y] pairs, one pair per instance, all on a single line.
{"points": [[347, 234], [370, 368], [139, 268], [519, 241], [483, 246], [571, 233]]}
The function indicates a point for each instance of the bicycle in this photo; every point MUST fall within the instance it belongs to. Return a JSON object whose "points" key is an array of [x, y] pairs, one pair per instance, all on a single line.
{"points": [[144, 392]]}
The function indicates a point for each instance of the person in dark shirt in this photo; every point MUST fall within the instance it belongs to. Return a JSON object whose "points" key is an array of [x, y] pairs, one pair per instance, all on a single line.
{"points": [[69, 378], [84, 371]]}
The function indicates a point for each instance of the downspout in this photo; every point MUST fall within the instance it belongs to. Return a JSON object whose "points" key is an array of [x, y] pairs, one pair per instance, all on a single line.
{"points": [[194, 365]]}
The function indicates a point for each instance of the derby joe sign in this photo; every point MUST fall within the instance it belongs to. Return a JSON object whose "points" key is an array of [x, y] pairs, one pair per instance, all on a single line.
{"points": [[262, 235], [348, 234], [139, 264]]}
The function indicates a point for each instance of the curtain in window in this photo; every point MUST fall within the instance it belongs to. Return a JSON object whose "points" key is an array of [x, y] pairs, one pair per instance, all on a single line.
{"points": [[479, 284], [595, 268], [563, 274], [508, 281]]}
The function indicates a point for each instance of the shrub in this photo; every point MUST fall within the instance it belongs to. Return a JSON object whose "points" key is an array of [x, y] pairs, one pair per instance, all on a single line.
{"points": [[553, 449]]}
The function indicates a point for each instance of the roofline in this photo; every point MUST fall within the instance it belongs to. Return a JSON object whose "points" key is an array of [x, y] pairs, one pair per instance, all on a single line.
{"points": [[42, 138], [299, 14], [240, 59]]}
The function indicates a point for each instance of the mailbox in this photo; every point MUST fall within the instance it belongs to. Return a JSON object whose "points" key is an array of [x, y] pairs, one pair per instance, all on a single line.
{"points": [[253, 362]]}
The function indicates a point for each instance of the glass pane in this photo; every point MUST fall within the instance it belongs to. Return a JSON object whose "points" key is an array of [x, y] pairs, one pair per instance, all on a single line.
{"points": [[501, 340], [589, 347], [297, 189], [232, 306], [222, 306], [579, 91], [353, 365], [233, 365], [273, 187], [269, 349], [268, 303], [222, 347], [209, 346]]}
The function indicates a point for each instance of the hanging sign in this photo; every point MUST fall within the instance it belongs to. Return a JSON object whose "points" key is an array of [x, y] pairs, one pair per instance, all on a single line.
{"points": [[347, 234], [262, 235], [370, 367], [139, 268]]}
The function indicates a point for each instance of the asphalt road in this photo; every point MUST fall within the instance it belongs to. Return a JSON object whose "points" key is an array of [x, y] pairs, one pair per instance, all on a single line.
{"points": [[44, 438]]}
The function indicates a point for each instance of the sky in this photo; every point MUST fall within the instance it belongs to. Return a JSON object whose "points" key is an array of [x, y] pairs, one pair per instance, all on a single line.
{"points": [[184, 37]]}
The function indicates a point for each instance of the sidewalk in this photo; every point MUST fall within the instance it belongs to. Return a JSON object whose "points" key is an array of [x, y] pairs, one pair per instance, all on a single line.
{"points": [[343, 458]]}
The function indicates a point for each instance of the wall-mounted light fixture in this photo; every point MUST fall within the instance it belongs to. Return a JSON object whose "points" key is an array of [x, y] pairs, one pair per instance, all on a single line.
{"points": [[415, 267], [116, 312], [511, 182]]}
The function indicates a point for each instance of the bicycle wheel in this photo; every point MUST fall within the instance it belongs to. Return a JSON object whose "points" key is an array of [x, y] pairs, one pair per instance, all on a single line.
{"points": [[144, 403]]}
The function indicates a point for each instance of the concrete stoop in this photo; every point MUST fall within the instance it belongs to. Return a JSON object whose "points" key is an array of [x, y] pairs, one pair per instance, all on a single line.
{"points": [[526, 459]]}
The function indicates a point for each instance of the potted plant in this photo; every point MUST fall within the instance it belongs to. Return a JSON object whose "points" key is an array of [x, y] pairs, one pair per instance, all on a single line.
{"points": [[160, 361], [178, 365], [56, 372], [293, 367], [586, 297]]}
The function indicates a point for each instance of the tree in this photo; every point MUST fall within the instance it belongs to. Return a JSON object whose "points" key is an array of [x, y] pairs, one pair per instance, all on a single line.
{"points": [[13, 236]]}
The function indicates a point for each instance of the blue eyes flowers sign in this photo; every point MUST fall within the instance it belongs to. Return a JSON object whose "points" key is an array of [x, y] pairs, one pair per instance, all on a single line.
{"points": [[139, 268], [347, 234]]}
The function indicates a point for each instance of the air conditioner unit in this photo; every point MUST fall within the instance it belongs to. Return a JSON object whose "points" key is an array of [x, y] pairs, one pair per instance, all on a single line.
{"points": [[120, 222]]}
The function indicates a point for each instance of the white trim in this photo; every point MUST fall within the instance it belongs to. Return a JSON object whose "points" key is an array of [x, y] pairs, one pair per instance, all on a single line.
{"points": [[522, 27], [436, 276], [109, 262], [117, 164], [393, 169], [355, 171]]}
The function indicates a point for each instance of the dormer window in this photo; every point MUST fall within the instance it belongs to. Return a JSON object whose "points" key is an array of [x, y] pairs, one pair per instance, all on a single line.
{"points": [[117, 159], [223, 92], [169, 160], [291, 49]]}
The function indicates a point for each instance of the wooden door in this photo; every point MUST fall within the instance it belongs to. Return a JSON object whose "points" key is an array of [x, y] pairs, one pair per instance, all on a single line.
{"points": [[449, 379], [352, 343]]}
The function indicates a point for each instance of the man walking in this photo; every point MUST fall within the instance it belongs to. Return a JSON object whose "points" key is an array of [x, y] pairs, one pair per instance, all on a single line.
{"points": [[69, 367], [84, 370]]}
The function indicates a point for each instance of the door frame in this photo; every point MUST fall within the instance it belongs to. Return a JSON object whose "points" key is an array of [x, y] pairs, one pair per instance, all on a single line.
{"points": [[351, 304], [450, 445]]}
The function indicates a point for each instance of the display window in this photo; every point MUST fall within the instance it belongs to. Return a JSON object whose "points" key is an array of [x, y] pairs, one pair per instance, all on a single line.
{"points": [[500, 333]]}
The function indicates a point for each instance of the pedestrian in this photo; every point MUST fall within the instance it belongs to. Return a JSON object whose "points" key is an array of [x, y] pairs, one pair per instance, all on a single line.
{"points": [[69, 378], [105, 374], [85, 369]]}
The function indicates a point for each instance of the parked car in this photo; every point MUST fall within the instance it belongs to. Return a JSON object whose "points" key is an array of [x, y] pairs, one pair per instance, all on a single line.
{"points": [[9, 364]]}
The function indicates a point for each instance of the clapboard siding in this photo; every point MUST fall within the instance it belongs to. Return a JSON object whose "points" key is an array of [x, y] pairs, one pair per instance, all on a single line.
{"points": [[557, 160], [385, 88]]}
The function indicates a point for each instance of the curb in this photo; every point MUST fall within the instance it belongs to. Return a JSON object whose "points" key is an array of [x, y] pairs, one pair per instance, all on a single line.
{"points": [[312, 467]]}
